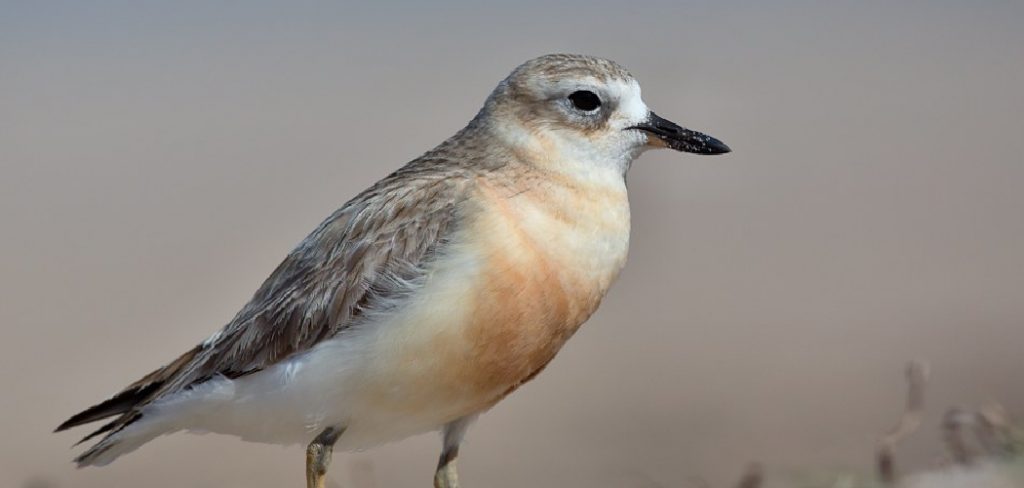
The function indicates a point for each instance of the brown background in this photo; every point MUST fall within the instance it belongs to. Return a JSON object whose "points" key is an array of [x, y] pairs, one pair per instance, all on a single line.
{"points": [[157, 162]]}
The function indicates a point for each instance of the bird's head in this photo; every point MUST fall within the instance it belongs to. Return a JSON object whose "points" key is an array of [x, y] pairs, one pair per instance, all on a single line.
{"points": [[583, 109]]}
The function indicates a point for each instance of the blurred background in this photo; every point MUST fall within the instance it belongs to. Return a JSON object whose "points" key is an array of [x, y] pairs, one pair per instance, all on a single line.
{"points": [[157, 160]]}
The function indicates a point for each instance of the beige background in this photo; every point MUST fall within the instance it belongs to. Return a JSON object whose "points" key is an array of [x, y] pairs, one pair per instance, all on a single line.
{"points": [[157, 162]]}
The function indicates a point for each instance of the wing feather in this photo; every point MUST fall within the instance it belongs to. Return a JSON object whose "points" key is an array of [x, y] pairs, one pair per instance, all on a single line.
{"points": [[363, 257]]}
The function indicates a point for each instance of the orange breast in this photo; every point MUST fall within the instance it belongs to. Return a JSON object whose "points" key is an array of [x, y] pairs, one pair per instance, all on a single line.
{"points": [[531, 264], [550, 252]]}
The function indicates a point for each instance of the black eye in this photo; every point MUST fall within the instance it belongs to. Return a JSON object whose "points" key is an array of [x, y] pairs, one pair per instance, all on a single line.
{"points": [[585, 100]]}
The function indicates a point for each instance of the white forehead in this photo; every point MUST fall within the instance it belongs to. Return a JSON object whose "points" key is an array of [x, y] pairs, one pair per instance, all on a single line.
{"points": [[631, 105]]}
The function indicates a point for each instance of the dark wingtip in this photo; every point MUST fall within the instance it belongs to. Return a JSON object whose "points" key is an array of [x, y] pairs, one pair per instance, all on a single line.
{"points": [[91, 414], [74, 421], [119, 404]]}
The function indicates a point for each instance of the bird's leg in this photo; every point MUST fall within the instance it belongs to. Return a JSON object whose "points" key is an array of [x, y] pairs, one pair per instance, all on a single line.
{"points": [[318, 456], [446, 475]]}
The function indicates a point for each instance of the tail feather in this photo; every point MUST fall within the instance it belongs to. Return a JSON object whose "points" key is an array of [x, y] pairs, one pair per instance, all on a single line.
{"points": [[127, 436], [128, 430], [133, 396], [112, 426]]}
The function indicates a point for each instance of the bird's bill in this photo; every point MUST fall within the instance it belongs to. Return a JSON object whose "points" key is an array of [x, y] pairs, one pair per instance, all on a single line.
{"points": [[665, 133]]}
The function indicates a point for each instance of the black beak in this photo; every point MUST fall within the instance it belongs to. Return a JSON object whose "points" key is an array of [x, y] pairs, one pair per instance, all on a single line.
{"points": [[679, 138]]}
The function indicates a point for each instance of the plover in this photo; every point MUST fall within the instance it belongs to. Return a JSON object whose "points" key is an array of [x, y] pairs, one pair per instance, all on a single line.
{"points": [[430, 296]]}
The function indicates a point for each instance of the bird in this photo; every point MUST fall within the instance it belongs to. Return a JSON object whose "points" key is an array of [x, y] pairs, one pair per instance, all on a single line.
{"points": [[430, 296]]}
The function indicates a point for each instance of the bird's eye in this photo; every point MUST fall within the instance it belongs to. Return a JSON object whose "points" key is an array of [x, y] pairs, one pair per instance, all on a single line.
{"points": [[584, 100]]}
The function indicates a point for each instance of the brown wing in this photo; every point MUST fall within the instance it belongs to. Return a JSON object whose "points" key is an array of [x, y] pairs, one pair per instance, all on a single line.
{"points": [[365, 256]]}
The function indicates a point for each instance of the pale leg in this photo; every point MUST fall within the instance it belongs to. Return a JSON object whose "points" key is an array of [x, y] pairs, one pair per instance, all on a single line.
{"points": [[446, 475], [318, 456]]}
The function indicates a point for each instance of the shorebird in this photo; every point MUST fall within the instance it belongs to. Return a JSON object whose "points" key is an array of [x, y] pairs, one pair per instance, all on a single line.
{"points": [[430, 296]]}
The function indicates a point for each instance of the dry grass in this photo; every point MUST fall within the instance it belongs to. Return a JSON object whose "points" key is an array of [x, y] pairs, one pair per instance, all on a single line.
{"points": [[983, 449]]}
